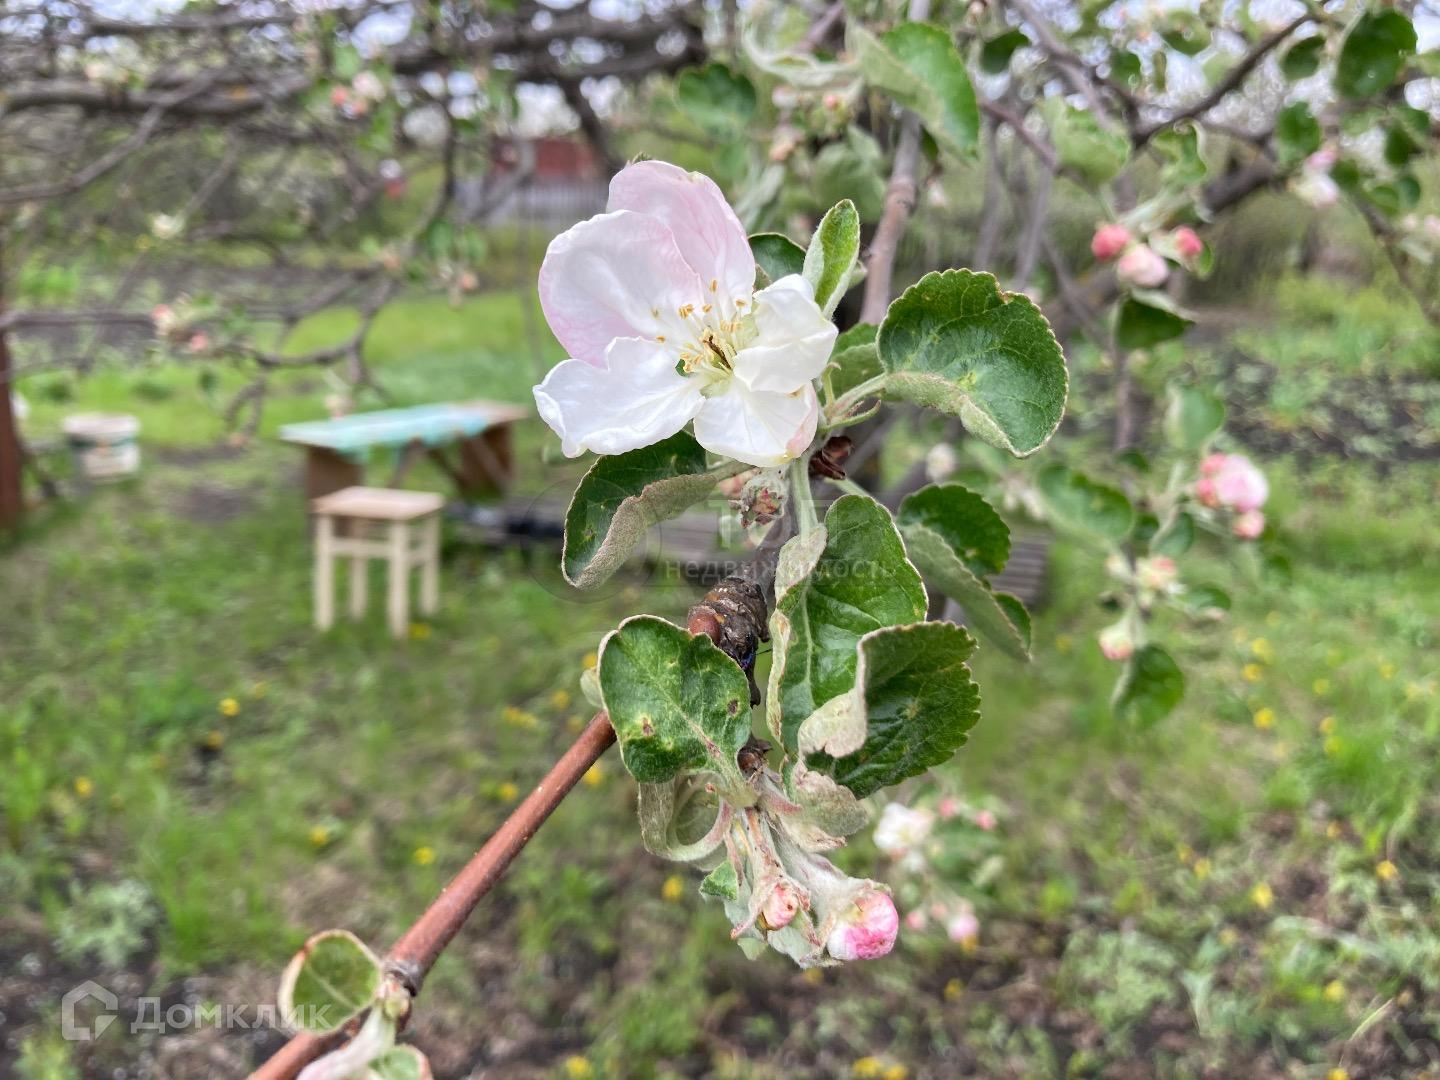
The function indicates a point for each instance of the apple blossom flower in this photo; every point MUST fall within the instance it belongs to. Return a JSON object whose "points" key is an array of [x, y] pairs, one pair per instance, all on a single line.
{"points": [[867, 931], [1142, 265], [941, 461], [367, 86], [1109, 241], [916, 920], [1249, 525], [1116, 641], [902, 830], [1315, 185], [164, 319], [963, 927], [986, 820], [655, 303], [166, 226], [1187, 242], [1231, 481], [1157, 573], [949, 808]]}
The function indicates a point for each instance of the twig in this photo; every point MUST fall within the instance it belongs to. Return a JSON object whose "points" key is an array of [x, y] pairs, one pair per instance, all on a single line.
{"points": [[412, 957]]}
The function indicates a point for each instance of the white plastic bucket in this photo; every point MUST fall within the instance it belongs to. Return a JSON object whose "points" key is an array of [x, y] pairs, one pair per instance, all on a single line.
{"points": [[104, 444]]}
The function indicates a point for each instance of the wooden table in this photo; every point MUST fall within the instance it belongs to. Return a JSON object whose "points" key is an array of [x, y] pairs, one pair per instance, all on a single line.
{"points": [[337, 451]]}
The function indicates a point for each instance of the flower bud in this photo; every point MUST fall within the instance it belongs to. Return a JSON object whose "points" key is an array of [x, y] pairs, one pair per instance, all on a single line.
{"points": [[1157, 573], [1249, 525], [916, 920], [986, 820], [963, 928], [781, 906], [1142, 265], [1109, 241], [867, 930], [1116, 642], [1187, 242], [949, 808]]}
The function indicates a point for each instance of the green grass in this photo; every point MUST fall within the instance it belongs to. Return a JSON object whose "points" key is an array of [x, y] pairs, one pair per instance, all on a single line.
{"points": [[1118, 897]]}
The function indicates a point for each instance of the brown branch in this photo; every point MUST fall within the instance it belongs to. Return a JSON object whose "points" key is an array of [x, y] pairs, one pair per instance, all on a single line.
{"points": [[413, 955]]}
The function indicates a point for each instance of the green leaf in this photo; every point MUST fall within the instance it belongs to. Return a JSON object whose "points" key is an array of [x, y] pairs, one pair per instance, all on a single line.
{"points": [[400, 1063], [776, 256], [722, 882], [681, 819], [1302, 59], [1146, 319], [850, 169], [1187, 33], [1184, 163], [919, 66], [329, 982], [1373, 53], [1205, 600], [675, 700], [1176, 538], [996, 52], [917, 701], [955, 537], [954, 342], [1192, 418], [832, 587], [1150, 687], [1078, 502], [832, 255], [1096, 153], [1126, 68], [1297, 133], [855, 358], [716, 96], [622, 496]]}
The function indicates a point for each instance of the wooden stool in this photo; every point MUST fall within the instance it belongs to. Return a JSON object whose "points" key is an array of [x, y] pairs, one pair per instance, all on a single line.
{"points": [[398, 510]]}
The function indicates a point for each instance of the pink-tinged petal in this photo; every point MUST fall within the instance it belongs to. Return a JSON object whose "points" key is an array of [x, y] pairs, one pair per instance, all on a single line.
{"points": [[616, 275], [793, 338], [636, 399], [758, 427], [706, 230], [867, 931]]}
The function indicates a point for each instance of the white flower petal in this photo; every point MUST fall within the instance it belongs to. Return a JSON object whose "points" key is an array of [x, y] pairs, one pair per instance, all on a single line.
{"points": [[616, 275], [636, 399], [758, 427], [706, 230], [793, 338]]}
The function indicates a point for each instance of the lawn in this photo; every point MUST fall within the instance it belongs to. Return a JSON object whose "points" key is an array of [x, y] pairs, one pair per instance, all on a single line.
{"points": [[193, 780]]}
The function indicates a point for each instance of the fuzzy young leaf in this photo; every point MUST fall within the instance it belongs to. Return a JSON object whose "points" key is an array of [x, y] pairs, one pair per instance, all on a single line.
{"points": [[1192, 418], [833, 252], [400, 1063], [1302, 59], [716, 96], [955, 537], [918, 65], [1297, 133], [1141, 323], [329, 982], [676, 701], [855, 358], [776, 256], [1176, 538], [622, 496], [828, 597], [1373, 53], [954, 342], [722, 882], [1082, 144], [916, 700], [1077, 502], [1150, 687]]}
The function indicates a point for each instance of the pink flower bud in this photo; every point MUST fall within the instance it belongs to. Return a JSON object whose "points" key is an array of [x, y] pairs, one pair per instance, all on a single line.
{"points": [[1211, 464], [1142, 265], [1249, 525], [1157, 573], [916, 920], [867, 930], [1116, 642], [1187, 242], [199, 342], [986, 820], [339, 96], [1240, 485], [1205, 491], [949, 808], [963, 928], [782, 905], [1109, 241]]}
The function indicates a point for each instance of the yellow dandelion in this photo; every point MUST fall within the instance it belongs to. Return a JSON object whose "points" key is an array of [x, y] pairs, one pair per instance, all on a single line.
{"points": [[1064, 643], [595, 775], [1333, 831], [813, 976], [1386, 870], [1264, 718], [1262, 649], [423, 856], [1252, 673], [1334, 991], [578, 1068], [954, 989], [1327, 725], [319, 836], [229, 707], [560, 700], [215, 740], [1337, 1074], [1202, 868], [1262, 896], [868, 1068], [673, 889], [84, 787], [1332, 745], [419, 631], [1387, 670], [1229, 937], [507, 792], [895, 1072], [591, 659], [1321, 687]]}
